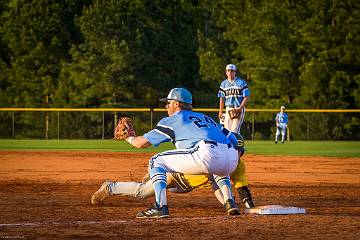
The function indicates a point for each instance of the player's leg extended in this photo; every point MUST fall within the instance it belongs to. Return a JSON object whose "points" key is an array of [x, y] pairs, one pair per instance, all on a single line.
{"points": [[102, 193], [241, 184], [133, 189]]}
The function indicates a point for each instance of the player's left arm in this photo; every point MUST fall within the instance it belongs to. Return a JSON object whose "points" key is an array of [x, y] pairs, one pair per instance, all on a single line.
{"points": [[244, 101], [230, 136], [161, 133], [139, 142]]}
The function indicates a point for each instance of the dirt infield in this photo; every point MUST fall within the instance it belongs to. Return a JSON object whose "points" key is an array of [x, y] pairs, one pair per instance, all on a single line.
{"points": [[46, 195]]}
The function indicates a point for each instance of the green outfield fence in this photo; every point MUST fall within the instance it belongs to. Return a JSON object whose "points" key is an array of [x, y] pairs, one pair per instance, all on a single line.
{"points": [[98, 123]]}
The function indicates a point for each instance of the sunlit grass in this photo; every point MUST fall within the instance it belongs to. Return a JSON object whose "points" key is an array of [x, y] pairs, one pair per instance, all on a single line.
{"points": [[300, 148]]}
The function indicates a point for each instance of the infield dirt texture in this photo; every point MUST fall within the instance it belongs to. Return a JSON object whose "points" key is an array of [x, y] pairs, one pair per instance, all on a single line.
{"points": [[46, 195]]}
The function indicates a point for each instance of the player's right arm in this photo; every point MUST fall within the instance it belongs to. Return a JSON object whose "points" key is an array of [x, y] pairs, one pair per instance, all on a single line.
{"points": [[221, 107], [221, 95]]}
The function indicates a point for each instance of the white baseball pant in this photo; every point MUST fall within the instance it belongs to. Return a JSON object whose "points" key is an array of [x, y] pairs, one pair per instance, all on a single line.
{"points": [[234, 125]]}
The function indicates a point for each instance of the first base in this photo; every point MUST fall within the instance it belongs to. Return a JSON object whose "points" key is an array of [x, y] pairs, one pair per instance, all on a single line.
{"points": [[275, 210]]}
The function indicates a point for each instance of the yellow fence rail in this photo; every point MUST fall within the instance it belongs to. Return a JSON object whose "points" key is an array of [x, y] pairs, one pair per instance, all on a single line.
{"points": [[164, 110]]}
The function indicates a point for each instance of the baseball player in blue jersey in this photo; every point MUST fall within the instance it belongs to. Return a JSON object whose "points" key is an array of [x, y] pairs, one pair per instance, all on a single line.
{"points": [[234, 94], [281, 124], [202, 147]]}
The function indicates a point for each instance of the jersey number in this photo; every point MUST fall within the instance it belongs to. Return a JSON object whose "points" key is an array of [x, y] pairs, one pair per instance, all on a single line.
{"points": [[200, 123]]}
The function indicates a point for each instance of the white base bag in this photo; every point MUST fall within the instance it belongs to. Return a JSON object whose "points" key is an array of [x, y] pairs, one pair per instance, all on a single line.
{"points": [[275, 210]]}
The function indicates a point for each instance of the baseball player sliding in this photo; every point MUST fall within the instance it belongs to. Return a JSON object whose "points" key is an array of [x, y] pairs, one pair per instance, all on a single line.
{"points": [[281, 124], [176, 182], [202, 147], [234, 94]]}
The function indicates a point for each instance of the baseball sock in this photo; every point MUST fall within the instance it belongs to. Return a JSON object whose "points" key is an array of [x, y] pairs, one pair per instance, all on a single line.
{"points": [[158, 178], [224, 185]]}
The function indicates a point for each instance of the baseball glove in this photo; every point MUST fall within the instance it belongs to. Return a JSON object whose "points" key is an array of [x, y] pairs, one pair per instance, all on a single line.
{"points": [[124, 129], [234, 113]]}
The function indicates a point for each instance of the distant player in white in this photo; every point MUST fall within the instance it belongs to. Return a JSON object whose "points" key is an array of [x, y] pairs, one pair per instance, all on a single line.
{"points": [[202, 147], [233, 93], [281, 124]]}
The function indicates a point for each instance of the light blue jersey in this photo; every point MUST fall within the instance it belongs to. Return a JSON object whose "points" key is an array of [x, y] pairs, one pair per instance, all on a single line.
{"points": [[186, 128], [282, 117], [233, 93]]}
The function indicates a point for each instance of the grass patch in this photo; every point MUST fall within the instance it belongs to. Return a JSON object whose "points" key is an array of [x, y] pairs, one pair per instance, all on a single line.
{"points": [[293, 148], [306, 148]]}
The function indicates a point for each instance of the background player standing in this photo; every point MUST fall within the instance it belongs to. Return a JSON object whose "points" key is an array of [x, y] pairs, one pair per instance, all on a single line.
{"points": [[281, 124], [234, 94], [202, 147]]}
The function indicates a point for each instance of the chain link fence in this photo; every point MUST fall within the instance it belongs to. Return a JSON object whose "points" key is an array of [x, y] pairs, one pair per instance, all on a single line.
{"points": [[259, 124]]}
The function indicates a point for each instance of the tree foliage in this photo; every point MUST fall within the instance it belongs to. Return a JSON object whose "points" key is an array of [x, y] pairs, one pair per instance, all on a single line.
{"points": [[91, 53]]}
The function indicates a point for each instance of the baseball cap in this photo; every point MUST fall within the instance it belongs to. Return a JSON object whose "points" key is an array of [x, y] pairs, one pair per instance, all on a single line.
{"points": [[282, 107], [178, 94], [231, 67]]}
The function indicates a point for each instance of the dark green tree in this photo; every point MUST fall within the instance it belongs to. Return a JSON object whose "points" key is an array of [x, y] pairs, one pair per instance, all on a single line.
{"points": [[133, 51], [330, 39], [38, 36]]}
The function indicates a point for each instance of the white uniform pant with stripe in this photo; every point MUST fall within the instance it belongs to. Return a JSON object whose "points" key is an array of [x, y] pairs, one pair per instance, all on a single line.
{"points": [[204, 158], [234, 125], [281, 129]]}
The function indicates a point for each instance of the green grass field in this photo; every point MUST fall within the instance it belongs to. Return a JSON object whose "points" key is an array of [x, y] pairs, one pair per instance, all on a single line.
{"points": [[299, 148]]}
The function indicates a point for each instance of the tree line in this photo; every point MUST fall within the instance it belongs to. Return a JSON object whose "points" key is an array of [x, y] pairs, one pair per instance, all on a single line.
{"points": [[128, 53]]}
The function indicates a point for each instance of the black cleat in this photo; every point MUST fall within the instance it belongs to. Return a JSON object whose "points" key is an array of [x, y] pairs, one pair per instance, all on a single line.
{"points": [[231, 208], [155, 212], [248, 203], [275, 142], [245, 196]]}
